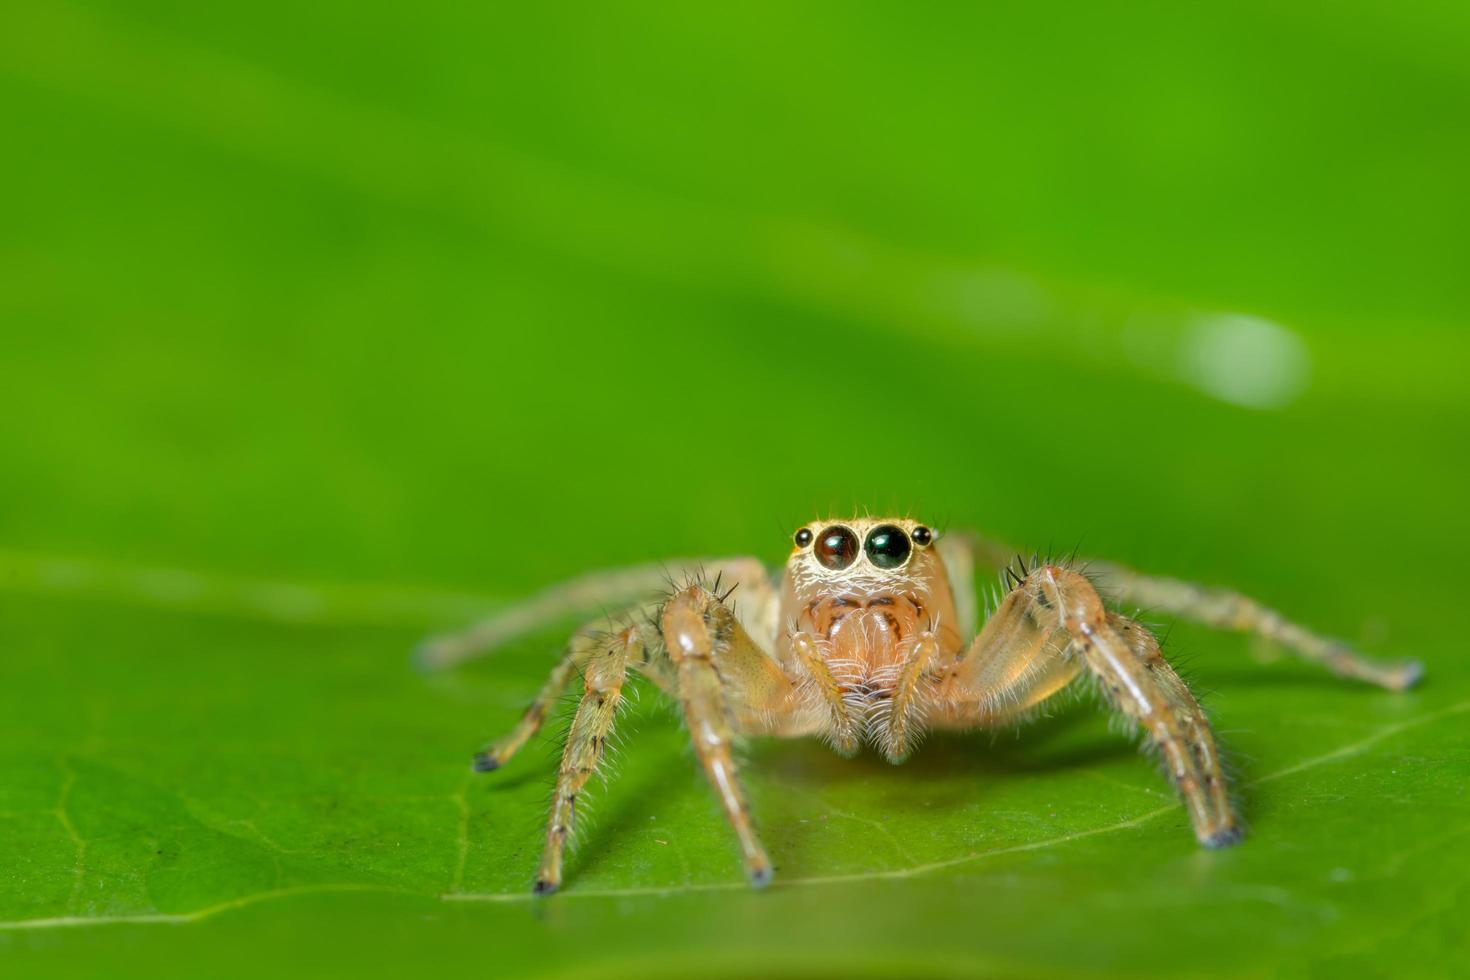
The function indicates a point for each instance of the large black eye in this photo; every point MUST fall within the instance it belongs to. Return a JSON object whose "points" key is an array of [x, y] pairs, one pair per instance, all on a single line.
{"points": [[837, 547], [888, 546]]}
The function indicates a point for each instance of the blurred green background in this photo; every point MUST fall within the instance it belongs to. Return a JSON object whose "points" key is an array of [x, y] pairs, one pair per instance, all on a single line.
{"points": [[325, 326]]}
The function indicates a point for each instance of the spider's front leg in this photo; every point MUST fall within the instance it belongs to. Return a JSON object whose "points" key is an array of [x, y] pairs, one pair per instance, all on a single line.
{"points": [[1126, 661], [1054, 624], [722, 673]]}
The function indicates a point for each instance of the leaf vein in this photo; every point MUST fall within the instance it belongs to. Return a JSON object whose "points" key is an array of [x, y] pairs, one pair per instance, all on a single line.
{"points": [[1344, 752]]}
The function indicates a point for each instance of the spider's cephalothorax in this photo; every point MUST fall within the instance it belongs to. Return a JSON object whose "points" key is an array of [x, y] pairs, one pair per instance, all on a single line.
{"points": [[873, 624], [870, 636]]}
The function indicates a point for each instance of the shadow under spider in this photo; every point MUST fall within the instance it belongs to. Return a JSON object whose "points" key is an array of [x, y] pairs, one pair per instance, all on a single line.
{"points": [[947, 769], [1052, 742]]}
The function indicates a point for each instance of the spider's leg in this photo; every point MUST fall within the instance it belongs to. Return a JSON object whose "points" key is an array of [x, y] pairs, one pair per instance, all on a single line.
{"points": [[602, 686], [1047, 630], [1016, 663], [583, 646], [842, 726], [611, 588], [1224, 609], [498, 752], [723, 678], [958, 556], [1130, 671], [1189, 753], [961, 551], [1220, 608], [900, 715], [975, 548]]}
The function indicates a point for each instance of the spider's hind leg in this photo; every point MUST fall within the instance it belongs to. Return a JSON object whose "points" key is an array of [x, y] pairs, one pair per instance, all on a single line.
{"points": [[1224, 609], [497, 753], [1220, 608], [608, 589]]}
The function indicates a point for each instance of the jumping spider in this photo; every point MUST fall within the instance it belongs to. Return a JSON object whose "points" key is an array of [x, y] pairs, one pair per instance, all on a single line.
{"points": [[864, 640]]}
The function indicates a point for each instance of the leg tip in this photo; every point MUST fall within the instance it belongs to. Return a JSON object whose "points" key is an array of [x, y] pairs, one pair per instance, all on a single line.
{"points": [[760, 876], [1408, 673], [485, 762], [1224, 837], [543, 887]]}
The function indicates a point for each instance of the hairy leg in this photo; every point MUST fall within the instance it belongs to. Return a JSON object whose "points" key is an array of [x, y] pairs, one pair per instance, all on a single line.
{"points": [[958, 551], [1228, 610], [972, 548], [602, 686], [1015, 663], [721, 676], [898, 718], [613, 588], [585, 643], [1191, 755], [825, 691], [758, 690], [498, 752], [1221, 608], [1051, 626], [1125, 660]]}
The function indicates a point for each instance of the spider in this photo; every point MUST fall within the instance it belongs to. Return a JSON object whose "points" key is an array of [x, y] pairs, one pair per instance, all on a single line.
{"points": [[865, 640]]}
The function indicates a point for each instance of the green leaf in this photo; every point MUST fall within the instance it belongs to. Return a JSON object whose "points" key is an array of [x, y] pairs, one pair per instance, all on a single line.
{"points": [[323, 330], [233, 776]]}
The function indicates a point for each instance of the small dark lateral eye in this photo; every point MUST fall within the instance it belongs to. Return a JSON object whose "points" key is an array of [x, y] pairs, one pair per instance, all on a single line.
{"points": [[803, 537], [888, 546], [922, 536], [837, 547]]}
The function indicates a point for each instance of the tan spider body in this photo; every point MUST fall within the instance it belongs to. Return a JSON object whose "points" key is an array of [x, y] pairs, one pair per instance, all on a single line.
{"points": [[866, 639]]}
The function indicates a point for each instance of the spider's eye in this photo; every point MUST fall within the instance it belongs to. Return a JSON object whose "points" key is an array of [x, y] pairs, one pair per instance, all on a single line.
{"points": [[922, 536], [837, 547], [803, 537], [888, 546]]}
